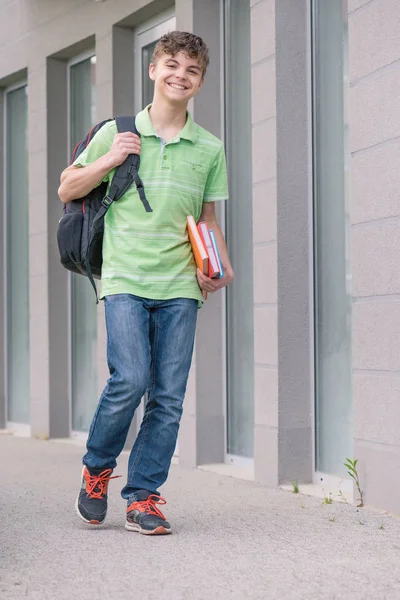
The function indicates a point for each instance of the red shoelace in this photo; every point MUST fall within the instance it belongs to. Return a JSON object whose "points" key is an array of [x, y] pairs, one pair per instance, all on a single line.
{"points": [[98, 481], [149, 506]]}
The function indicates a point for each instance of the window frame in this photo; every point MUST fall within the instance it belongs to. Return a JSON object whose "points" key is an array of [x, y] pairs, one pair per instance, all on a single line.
{"points": [[241, 462], [144, 35], [20, 428]]}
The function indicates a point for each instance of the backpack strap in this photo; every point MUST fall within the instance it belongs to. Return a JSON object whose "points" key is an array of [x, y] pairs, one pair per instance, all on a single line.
{"points": [[128, 171], [125, 175]]}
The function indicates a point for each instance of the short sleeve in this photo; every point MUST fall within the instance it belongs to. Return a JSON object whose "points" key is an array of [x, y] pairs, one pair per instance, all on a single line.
{"points": [[217, 181], [97, 147]]}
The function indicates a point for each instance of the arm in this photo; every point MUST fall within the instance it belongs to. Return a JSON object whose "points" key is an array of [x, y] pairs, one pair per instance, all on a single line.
{"points": [[206, 283], [76, 182]]}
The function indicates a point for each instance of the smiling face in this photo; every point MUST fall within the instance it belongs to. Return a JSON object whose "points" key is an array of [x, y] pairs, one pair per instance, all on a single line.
{"points": [[176, 78]]}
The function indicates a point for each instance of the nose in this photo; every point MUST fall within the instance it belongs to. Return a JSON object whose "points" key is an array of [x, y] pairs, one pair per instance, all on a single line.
{"points": [[181, 73]]}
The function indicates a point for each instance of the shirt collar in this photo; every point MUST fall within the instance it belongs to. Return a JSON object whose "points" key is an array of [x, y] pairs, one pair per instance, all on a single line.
{"points": [[189, 132], [145, 126]]}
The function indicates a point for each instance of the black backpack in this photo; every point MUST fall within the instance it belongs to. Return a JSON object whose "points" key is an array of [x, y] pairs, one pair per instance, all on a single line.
{"points": [[81, 228]]}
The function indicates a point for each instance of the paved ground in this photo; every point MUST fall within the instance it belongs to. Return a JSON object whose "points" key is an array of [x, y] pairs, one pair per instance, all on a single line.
{"points": [[233, 539]]}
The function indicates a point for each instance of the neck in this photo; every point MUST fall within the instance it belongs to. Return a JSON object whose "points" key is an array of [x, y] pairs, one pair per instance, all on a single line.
{"points": [[166, 116]]}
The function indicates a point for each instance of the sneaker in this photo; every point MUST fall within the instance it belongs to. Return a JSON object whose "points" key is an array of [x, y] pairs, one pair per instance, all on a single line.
{"points": [[91, 504], [144, 516]]}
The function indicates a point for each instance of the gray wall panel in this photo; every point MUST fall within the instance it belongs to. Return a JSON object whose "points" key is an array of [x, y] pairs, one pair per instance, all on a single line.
{"points": [[266, 376], [294, 285], [374, 34], [57, 153], [375, 216], [378, 464], [2, 273], [122, 70]]}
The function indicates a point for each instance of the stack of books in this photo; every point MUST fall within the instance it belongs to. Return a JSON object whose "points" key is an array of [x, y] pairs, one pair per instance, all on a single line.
{"points": [[205, 248]]}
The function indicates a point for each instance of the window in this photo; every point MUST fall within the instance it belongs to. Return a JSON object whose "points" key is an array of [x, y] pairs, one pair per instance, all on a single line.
{"points": [[83, 308], [147, 83], [239, 319], [331, 233], [146, 38], [17, 255]]}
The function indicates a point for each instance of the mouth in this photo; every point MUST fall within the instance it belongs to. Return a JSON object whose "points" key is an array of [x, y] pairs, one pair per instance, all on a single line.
{"points": [[177, 86]]}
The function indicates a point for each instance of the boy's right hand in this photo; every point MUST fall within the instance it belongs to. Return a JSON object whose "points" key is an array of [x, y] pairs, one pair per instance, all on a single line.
{"points": [[124, 144]]}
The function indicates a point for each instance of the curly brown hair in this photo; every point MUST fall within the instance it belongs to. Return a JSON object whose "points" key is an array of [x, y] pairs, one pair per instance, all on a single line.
{"points": [[182, 41]]}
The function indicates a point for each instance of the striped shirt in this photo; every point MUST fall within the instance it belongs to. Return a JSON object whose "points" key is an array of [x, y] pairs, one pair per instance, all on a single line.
{"points": [[149, 254]]}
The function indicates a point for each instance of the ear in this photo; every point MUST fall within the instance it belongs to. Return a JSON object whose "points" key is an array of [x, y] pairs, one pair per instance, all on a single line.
{"points": [[152, 69]]}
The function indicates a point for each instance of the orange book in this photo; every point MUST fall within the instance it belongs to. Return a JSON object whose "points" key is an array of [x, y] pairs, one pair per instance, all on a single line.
{"points": [[199, 251]]}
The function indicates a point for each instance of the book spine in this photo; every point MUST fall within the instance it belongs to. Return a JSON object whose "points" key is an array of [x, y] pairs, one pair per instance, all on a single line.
{"points": [[198, 246], [198, 249], [215, 248], [214, 271]]}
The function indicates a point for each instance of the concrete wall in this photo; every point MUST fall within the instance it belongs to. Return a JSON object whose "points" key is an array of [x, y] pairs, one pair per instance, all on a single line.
{"points": [[375, 218]]}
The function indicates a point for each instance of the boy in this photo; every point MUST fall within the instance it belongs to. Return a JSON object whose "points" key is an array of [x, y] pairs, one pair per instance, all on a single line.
{"points": [[150, 285]]}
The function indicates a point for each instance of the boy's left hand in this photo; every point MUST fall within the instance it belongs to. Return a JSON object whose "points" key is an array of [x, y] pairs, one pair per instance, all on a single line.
{"points": [[213, 285]]}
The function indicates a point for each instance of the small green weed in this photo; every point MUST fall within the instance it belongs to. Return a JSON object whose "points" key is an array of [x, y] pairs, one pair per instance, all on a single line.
{"points": [[351, 466], [328, 499], [296, 488], [332, 518], [342, 496]]}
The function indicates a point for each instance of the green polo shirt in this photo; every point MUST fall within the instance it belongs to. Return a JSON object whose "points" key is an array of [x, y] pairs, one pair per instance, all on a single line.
{"points": [[149, 254]]}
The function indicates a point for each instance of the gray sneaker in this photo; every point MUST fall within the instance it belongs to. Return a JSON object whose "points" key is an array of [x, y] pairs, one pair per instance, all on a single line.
{"points": [[144, 516], [91, 503]]}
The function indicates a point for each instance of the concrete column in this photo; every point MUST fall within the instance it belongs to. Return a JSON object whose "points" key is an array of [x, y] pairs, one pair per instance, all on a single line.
{"points": [[263, 60], [295, 241], [57, 277], [123, 70], [39, 252], [49, 320], [281, 216], [3, 411]]}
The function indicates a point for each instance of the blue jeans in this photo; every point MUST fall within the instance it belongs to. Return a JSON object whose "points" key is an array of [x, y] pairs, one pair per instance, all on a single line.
{"points": [[149, 349]]}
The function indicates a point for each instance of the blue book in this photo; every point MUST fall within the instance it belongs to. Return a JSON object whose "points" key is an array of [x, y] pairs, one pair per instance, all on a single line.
{"points": [[214, 243]]}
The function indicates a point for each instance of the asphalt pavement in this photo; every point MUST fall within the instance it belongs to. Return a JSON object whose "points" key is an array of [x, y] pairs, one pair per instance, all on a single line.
{"points": [[233, 539]]}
